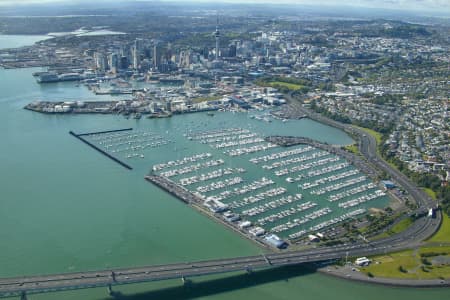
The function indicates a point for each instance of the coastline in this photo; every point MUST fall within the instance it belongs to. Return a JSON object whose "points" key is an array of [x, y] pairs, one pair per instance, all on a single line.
{"points": [[347, 272]]}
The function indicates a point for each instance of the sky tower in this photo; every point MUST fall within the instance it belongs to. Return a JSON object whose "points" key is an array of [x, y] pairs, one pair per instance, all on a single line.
{"points": [[217, 36]]}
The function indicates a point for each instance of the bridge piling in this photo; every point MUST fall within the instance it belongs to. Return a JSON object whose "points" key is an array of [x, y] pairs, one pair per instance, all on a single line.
{"points": [[110, 290], [23, 296], [267, 259]]}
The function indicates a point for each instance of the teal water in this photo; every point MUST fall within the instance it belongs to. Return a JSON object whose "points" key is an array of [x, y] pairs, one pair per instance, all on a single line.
{"points": [[64, 207], [15, 41]]}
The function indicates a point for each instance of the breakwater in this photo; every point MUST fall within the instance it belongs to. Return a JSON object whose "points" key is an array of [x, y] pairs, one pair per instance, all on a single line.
{"points": [[79, 136], [174, 189], [106, 131]]}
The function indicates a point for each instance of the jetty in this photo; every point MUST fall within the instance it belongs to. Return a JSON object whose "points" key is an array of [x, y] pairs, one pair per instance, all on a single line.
{"points": [[174, 189], [358, 161]]}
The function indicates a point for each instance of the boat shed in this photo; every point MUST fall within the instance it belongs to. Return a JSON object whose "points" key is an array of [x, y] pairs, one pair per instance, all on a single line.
{"points": [[274, 240], [388, 184]]}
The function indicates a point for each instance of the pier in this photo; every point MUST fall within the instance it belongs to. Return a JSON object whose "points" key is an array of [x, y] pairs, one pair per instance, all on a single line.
{"points": [[174, 189], [288, 141], [79, 136]]}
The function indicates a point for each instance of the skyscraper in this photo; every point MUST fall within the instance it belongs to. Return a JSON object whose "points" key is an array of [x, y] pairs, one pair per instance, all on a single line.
{"points": [[135, 56], [113, 60], [232, 50], [157, 56], [217, 36]]}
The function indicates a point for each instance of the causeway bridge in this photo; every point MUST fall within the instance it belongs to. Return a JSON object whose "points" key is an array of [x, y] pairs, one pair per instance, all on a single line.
{"points": [[21, 286]]}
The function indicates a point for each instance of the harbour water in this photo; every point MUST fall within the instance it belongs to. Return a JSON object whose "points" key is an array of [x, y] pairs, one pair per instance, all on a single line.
{"points": [[15, 41], [65, 207]]}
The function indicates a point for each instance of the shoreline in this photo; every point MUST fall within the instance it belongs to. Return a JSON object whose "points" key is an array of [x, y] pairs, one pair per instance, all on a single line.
{"points": [[341, 272], [347, 273]]}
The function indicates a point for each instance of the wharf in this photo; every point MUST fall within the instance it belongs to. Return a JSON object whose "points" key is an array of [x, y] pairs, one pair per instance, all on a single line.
{"points": [[79, 136], [75, 107], [197, 202], [174, 189], [288, 141]]}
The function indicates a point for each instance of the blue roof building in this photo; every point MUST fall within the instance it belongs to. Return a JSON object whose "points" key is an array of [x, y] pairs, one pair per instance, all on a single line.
{"points": [[275, 241], [388, 184]]}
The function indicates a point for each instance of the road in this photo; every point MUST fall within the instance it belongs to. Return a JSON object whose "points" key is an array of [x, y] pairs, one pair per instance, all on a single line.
{"points": [[421, 229]]}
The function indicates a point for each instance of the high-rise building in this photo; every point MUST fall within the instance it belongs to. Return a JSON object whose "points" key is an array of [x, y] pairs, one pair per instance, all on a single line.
{"points": [[157, 54], [139, 45], [135, 57], [113, 61], [101, 61], [217, 36], [123, 62], [168, 105], [232, 51]]}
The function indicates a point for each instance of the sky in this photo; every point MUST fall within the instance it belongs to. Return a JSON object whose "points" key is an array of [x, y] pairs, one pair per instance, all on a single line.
{"points": [[415, 5]]}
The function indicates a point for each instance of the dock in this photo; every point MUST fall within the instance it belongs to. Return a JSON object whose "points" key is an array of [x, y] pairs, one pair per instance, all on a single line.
{"points": [[196, 202], [359, 162], [174, 189], [80, 137]]}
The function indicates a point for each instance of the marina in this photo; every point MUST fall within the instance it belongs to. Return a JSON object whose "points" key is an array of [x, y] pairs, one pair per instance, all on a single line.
{"points": [[128, 144], [208, 176], [328, 190], [235, 141], [80, 137], [247, 180], [195, 167]]}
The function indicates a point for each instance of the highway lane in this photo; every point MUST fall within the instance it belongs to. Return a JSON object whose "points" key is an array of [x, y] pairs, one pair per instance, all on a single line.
{"points": [[192, 269]]}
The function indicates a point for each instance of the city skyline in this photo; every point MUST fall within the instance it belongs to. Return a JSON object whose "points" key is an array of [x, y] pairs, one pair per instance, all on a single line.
{"points": [[193, 149]]}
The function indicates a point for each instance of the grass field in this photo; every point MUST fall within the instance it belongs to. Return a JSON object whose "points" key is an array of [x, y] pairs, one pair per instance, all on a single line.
{"points": [[400, 226], [373, 133], [352, 148], [430, 193], [412, 264], [397, 228], [443, 234], [204, 99], [291, 86], [408, 264]]}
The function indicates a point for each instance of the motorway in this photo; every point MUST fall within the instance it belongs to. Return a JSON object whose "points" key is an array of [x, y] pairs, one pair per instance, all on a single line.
{"points": [[421, 229]]}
